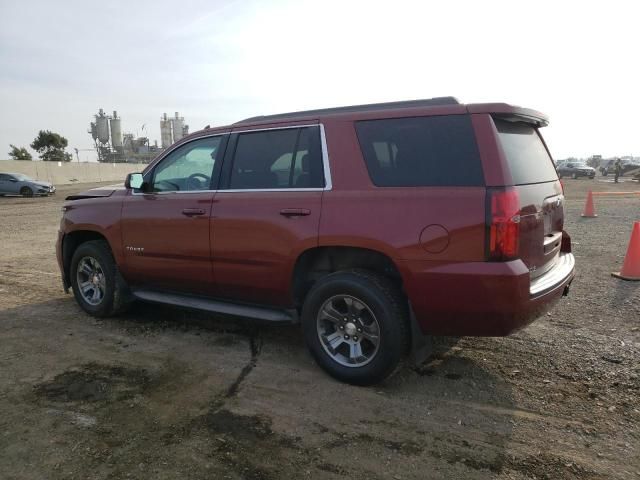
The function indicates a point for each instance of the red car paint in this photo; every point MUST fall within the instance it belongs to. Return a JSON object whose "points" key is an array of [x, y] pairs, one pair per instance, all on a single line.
{"points": [[243, 248]]}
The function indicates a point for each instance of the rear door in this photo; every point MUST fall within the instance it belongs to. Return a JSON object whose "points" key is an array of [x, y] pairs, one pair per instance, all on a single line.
{"points": [[540, 193], [4, 183], [266, 212], [8, 183]]}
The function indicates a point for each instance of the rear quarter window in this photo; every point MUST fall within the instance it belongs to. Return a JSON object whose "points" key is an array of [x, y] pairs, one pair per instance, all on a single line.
{"points": [[527, 157], [421, 151]]}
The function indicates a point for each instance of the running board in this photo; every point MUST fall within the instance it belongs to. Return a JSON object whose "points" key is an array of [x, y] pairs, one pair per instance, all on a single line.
{"points": [[216, 306]]}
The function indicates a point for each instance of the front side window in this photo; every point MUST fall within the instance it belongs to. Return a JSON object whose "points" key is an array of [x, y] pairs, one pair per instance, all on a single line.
{"points": [[188, 168], [421, 151], [278, 159]]}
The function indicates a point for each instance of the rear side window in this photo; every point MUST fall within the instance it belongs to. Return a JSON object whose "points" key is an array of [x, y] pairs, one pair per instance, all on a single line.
{"points": [[526, 154], [421, 151], [275, 159]]}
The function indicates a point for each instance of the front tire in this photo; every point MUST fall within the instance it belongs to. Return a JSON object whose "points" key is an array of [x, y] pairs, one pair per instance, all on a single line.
{"points": [[97, 285], [26, 192], [355, 325]]}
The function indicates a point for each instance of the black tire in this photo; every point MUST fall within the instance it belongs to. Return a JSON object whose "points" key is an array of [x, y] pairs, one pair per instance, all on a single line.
{"points": [[26, 192], [385, 302], [116, 296]]}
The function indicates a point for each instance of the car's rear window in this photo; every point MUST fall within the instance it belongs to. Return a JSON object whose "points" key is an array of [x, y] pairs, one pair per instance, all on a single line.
{"points": [[421, 151], [526, 154]]}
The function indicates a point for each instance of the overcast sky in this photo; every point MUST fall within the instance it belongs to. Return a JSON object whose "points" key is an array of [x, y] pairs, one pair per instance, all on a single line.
{"points": [[220, 61]]}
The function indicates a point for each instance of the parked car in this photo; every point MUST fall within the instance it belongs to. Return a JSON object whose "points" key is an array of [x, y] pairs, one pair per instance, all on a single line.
{"points": [[626, 166], [20, 184], [576, 170], [376, 227]]}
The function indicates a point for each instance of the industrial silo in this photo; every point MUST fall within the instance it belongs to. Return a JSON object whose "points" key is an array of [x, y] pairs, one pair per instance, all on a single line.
{"points": [[165, 131], [116, 131], [93, 130], [177, 124], [102, 127]]}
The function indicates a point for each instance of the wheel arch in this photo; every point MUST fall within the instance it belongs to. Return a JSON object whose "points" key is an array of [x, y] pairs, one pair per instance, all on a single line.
{"points": [[314, 263], [70, 242]]}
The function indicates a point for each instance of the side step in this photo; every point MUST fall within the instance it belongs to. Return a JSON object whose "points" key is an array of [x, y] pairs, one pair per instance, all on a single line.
{"points": [[216, 306]]}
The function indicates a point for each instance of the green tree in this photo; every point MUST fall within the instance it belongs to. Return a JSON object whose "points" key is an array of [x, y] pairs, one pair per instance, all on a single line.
{"points": [[51, 147], [19, 153]]}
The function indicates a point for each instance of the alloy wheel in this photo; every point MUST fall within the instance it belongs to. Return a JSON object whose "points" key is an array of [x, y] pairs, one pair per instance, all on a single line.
{"points": [[348, 330], [91, 280]]}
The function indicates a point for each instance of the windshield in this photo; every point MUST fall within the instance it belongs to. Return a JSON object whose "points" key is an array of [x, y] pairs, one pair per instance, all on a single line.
{"points": [[22, 177]]}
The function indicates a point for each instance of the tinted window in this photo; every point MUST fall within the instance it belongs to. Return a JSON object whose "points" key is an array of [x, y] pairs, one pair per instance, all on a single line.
{"points": [[527, 156], [286, 158], [189, 167], [421, 151]]}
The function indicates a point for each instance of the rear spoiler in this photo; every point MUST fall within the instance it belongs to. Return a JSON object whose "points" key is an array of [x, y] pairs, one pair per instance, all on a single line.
{"points": [[510, 113]]}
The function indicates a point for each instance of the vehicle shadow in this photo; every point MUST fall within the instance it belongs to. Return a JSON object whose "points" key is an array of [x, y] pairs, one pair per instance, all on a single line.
{"points": [[451, 415]]}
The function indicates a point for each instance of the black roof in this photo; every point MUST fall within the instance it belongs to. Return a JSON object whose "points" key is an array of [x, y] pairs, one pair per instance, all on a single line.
{"points": [[429, 102]]}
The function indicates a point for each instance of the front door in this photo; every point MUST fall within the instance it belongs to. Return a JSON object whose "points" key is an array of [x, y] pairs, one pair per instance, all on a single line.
{"points": [[266, 212], [165, 228]]}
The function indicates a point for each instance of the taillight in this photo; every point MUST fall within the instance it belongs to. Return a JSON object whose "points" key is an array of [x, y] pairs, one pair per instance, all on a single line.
{"points": [[503, 224]]}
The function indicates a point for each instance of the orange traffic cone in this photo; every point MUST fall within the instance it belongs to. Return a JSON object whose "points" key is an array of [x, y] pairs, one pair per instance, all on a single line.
{"points": [[589, 211], [631, 266]]}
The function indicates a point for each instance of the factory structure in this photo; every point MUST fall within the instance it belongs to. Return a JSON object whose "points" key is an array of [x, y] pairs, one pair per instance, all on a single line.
{"points": [[113, 146]]}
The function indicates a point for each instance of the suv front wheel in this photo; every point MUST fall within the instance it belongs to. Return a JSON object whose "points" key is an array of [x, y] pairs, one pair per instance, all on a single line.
{"points": [[97, 285], [356, 326]]}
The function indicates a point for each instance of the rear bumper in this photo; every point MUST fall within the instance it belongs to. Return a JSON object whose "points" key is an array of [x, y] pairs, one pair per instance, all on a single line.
{"points": [[483, 298]]}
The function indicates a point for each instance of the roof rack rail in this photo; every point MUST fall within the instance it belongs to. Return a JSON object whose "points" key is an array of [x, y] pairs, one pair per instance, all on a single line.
{"points": [[429, 102]]}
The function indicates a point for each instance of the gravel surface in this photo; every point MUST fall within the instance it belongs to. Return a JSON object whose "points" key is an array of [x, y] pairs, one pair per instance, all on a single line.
{"points": [[165, 394]]}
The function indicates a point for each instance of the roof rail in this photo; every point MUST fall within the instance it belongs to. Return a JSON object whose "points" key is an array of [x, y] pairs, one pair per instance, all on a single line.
{"points": [[429, 102]]}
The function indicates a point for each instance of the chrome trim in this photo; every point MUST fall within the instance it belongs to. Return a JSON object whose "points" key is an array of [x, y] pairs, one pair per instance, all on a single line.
{"points": [[328, 184], [258, 129], [238, 190], [563, 269], [174, 192]]}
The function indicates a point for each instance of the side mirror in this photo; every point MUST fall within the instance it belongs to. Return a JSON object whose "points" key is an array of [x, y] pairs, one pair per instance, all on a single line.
{"points": [[13, 180], [134, 180]]}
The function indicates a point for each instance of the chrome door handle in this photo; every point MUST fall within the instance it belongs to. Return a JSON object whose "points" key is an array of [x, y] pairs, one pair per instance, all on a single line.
{"points": [[295, 212], [192, 212]]}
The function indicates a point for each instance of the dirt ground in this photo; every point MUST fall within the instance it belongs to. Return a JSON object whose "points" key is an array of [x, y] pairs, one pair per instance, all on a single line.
{"points": [[166, 394]]}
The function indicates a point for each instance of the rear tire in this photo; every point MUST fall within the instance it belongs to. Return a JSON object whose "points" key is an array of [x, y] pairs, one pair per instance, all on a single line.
{"points": [[26, 192], [356, 326], [97, 284]]}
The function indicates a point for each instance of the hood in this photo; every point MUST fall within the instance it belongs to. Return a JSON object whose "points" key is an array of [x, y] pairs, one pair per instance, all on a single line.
{"points": [[41, 184], [96, 192]]}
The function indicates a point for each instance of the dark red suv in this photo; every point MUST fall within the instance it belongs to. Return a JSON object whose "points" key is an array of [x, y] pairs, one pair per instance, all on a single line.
{"points": [[374, 226]]}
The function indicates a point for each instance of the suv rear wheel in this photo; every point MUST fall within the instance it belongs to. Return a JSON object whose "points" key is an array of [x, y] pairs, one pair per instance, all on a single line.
{"points": [[97, 285], [356, 326]]}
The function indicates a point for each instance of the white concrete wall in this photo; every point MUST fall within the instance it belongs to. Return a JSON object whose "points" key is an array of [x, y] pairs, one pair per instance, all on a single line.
{"points": [[71, 172]]}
